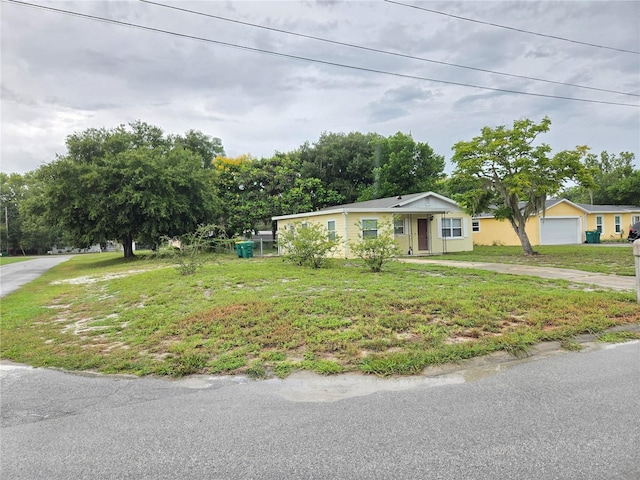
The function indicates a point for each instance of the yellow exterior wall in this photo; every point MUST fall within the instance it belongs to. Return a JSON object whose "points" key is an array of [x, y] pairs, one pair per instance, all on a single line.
{"points": [[608, 224], [348, 229], [437, 245], [323, 220], [500, 232]]}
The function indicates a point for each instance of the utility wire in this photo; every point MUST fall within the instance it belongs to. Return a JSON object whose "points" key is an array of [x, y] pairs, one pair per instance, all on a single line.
{"points": [[307, 59], [513, 28], [386, 52]]}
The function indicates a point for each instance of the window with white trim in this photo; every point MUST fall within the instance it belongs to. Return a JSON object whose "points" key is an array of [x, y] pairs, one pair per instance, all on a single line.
{"points": [[599, 223], [369, 228], [398, 226], [617, 223], [331, 229], [475, 225], [635, 219], [452, 228]]}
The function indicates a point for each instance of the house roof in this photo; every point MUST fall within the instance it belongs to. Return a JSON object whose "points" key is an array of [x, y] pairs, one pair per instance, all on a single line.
{"points": [[585, 207], [425, 202], [609, 208]]}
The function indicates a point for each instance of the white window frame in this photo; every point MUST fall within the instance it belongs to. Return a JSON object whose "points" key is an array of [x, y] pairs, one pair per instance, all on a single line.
{"points": [[331, 232], [362, 229], [448, 231], [399, 226], [617, 223], [475, 226], [635, 219], [600, 223]]}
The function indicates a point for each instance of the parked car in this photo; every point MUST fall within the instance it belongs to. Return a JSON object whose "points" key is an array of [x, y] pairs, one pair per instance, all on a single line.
{"points": [[634, 232]]}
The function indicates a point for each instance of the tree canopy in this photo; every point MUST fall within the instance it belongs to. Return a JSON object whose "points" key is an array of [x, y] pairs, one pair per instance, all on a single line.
{"points": [[127, 183], [503, 172], [404, 166], [134, 182], [616, 182]]}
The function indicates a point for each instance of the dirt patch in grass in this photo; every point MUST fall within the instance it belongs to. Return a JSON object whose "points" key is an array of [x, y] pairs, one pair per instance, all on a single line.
{"points": [[263, 318], [89, 279]]}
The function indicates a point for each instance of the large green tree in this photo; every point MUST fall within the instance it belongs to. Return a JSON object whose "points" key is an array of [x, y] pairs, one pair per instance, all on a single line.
{"points": [[505, 173], [206, 146], [12, 191], [404, 166], [253, 191], [615, 181], [343, 162], [127, 183]]}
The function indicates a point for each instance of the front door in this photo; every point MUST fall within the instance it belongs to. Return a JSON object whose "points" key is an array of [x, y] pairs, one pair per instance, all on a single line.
{"points": [[423, 237]]}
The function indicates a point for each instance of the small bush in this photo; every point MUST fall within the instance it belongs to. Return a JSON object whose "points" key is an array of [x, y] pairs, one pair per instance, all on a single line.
{"points": [[307, 244], [378, 251], [188, 251]]}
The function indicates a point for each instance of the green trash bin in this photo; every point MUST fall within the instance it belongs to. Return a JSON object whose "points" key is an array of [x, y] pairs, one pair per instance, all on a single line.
{"points": [[245, 249], [593, 236]]}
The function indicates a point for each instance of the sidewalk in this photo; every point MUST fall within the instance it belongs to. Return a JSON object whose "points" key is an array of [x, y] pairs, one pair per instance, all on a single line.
{"points": [[614, 282]]}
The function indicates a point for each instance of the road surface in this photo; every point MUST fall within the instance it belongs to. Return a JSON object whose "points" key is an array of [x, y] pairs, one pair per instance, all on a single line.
{"points": [[566, 415], [15, 275]]}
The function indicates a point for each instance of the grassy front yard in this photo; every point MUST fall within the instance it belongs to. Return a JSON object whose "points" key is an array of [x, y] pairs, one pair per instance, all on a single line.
{"points": [[8, 260], [615, 259], [264, 317]]}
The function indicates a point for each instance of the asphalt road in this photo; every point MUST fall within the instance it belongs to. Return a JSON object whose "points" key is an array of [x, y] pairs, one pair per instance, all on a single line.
{"points": [[566, 415], [15, 275]]}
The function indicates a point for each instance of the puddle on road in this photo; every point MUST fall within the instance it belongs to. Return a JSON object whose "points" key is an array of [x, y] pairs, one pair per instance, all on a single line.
{"points": [[310, 387], [305, 386]]}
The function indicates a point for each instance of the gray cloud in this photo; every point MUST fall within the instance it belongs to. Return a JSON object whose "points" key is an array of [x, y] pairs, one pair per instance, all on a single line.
{"points": [[62, 74]]}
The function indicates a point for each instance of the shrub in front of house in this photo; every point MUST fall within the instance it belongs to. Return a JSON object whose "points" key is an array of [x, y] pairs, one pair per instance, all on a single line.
{"points": [[379, 250], [307, 243]]}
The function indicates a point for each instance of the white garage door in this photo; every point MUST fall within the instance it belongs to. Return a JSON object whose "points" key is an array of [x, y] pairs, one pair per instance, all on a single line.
{"points": [[560, 231]]}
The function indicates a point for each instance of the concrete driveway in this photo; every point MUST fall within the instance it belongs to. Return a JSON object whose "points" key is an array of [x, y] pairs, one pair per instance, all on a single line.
{"points": [[614, 282], [15, 275]]}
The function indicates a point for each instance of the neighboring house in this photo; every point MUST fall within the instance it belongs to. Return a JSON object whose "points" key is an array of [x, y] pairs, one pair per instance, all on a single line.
{"points": [[424, 223], [563, 223]]}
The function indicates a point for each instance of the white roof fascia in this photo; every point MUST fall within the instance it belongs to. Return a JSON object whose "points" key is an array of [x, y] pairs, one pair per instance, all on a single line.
{"points": [[626, 210], [429, 194], [309, 214], [564, 200], [365, 210]]}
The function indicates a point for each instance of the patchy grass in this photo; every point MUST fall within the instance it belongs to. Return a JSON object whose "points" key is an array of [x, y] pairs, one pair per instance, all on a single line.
{"points": [[8, 260], [618, 337], [617, 260], [263, 317]]}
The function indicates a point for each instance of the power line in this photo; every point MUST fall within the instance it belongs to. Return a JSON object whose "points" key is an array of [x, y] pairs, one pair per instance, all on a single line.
{"points": [[307, 59], [513, 28], [386, 52]]}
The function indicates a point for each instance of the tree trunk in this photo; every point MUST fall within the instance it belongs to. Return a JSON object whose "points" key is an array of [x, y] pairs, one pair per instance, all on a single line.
{"points": [[519, 222], [526, 244], [127, 246], [519, 227]]}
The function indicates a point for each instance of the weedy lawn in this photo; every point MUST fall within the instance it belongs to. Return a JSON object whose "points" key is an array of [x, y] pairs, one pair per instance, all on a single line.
{"points": [[614, 259], [264, 317], [8, 260]]}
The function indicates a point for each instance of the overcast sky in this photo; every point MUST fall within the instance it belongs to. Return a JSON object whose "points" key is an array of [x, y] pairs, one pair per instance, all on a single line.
{"points": [[63, 74]]}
